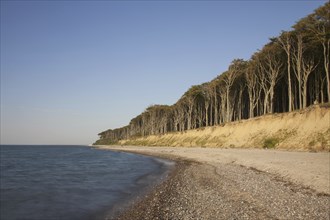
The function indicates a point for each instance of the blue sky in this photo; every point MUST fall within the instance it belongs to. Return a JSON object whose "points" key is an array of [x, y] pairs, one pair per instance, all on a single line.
{"points": [[70, 69]]}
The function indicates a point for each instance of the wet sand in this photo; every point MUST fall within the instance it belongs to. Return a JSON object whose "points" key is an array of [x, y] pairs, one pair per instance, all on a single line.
{"points": [[212, 183]]}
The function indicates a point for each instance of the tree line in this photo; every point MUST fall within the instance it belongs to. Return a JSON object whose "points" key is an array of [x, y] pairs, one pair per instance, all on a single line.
{"points": [[289, 73]]}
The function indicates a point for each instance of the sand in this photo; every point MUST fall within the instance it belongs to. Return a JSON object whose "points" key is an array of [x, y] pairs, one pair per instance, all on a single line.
{"points": [[211, 183]]}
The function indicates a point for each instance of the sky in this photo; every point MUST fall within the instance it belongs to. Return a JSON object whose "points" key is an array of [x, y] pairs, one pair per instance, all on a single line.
{"points": [[71, 69]]}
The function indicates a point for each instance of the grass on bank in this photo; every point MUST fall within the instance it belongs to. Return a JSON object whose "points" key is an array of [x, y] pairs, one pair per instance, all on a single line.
{"points": [[270, 143]]}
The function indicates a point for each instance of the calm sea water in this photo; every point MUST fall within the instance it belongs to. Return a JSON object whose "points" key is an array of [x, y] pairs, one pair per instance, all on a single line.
{"points": [[70, 182]]}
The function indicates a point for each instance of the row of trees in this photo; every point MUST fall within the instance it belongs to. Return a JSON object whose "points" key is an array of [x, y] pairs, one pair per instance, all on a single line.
{"points": [[289, 73]]}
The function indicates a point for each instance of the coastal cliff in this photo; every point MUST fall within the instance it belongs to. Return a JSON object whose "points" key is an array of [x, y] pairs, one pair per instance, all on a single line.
{"points": [[306, 130]]}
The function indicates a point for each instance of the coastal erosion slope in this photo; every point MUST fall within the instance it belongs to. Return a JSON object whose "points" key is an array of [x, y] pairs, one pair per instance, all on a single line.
{"points": [[305, 130]]}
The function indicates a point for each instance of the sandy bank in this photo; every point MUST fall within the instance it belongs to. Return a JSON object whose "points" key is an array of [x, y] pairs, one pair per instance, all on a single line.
{"points": [[237, 184], [305, 130]]}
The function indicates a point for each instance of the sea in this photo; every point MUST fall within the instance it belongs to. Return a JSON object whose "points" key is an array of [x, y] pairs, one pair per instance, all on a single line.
{"points": [[72, 182]]}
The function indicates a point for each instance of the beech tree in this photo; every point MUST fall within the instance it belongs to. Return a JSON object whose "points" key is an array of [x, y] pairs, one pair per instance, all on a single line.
{"points": [[317, 26], [253, 86], [308, 65], [285, 41], [270, 73], [229, 79]]}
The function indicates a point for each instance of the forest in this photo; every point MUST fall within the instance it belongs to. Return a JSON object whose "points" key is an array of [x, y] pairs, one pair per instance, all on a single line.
{"points": [[289, 73]]}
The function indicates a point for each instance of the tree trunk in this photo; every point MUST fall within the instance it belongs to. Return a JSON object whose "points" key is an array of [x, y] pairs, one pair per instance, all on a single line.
{"points": [[228, 105], [215, 108], [285, 42], [206, 114], [326, 53], [298, 58], [308, 67]]}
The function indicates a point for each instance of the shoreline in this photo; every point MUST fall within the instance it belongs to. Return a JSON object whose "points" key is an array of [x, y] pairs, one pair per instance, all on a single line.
{"points": [[201, 186], [144, 185]]}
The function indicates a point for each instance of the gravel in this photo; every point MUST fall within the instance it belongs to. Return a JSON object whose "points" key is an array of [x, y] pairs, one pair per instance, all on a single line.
{"points": [[195, 190]]}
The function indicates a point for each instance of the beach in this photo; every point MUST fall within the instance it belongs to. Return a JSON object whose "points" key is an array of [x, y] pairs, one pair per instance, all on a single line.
{"points": [[211, 183]]}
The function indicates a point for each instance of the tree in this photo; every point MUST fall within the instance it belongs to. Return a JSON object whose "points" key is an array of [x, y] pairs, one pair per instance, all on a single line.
{"points": [[321, 31], [253, 87], [269, 68], [299, 50], [207, 100], [285, 40], [316, 27], [308, 65], [229, 79]]}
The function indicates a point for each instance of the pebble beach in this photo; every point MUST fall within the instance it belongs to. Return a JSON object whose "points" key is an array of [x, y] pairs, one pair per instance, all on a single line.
{"points": [[230, 189]]}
